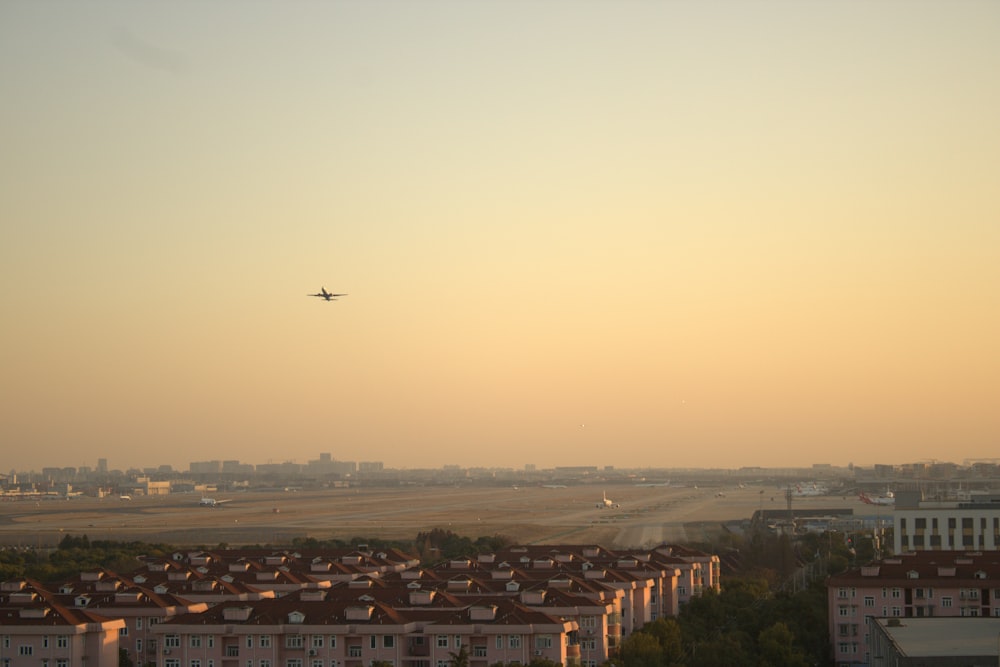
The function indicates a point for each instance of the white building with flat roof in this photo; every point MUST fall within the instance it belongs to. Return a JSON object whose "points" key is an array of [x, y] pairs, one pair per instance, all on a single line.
{"points": [[935, 642], [947, 525]]}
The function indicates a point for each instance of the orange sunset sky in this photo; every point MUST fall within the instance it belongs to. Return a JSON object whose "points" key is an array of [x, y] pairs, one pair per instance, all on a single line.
{"points": [[671, 234]]}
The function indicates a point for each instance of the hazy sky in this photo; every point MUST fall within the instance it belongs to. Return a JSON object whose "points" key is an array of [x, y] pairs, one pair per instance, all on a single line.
{"points": [[674, 234]]}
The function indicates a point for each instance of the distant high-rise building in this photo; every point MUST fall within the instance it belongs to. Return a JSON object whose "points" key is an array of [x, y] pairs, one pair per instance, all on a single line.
{"points": [[102, 466]]}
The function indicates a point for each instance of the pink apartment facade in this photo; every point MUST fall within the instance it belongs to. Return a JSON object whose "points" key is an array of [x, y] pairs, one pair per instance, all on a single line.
{"points": [[911, 585], [36, 629], [316, 629], [346, 608]]}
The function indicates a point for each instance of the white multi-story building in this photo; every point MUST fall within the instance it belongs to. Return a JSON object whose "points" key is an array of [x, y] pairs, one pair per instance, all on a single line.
{"points": [[946, 525]]}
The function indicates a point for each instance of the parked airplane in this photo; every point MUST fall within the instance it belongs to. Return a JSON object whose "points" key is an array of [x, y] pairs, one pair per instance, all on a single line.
{"points": [[607, 503], [124, 496], [211, 502], [810, 490], [888, 499], [329, 296]]}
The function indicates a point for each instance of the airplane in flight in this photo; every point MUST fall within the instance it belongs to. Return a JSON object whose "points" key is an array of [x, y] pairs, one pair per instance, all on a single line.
{"points": [[211, 502], [607, 503], [329, 296]]}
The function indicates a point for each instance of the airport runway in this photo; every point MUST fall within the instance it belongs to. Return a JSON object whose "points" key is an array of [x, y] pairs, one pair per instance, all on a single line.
{"points": [[645, 516]]}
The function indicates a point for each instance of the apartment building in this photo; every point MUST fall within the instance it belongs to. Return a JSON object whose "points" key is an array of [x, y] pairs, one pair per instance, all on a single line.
{"points": [[945, 525], [347, 608], [317, 628], [916, 584], [37, 629]]}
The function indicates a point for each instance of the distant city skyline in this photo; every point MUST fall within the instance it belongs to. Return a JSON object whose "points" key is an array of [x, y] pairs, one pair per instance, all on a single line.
{"points": [[236, 465], [666, 234]]}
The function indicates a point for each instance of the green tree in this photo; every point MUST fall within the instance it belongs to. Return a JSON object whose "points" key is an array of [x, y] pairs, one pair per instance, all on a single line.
{"points": [[726, 651], [641, 649], [776, 647], [459, 659], [667, 632]]}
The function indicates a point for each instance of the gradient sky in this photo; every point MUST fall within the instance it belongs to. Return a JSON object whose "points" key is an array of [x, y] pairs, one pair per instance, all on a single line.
{"points": [[677, 234]]}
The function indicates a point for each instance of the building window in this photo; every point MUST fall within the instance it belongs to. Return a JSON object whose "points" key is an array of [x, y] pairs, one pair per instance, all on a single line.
{"points": [[353, 651], [946, 601], [514, 641], [442, 641], [294, 641], [499, 641], [333, 641], [26, 649], [171, 641], [869, 600], [480, 651], [388, 641], [371, 641], [264, 641], [195, 641]]}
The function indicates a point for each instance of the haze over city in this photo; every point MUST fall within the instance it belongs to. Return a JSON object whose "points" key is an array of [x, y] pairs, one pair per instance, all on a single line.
{"points": [[677, 234]]}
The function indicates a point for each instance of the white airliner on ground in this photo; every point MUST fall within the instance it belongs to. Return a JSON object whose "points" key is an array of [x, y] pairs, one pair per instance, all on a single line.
{"points": [[607, 503], [211, 502], [887, 499]]}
